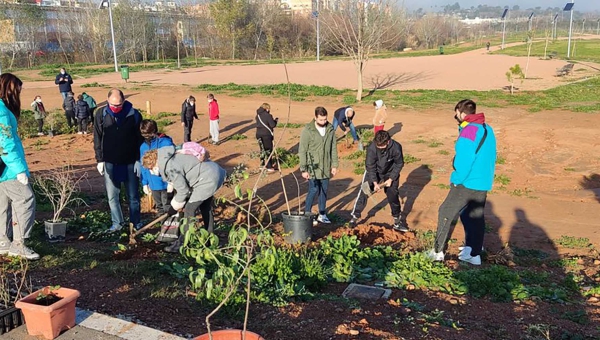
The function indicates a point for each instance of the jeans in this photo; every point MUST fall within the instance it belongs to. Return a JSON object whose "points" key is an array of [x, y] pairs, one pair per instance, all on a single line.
{"points": [[113, 190], [350, 126], [206, 209], [17, 210], [187, 130], [391, 193], [64, 95], [317, 186], [83, 123], [162, 200], [266, 147], [469, 205]]}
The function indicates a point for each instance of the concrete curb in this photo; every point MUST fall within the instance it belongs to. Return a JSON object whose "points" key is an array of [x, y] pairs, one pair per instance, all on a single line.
{"points": [[120, 328]]}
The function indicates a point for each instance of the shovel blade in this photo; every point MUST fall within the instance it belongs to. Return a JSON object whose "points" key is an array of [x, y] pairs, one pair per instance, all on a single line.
{"points": [[366, 189]]}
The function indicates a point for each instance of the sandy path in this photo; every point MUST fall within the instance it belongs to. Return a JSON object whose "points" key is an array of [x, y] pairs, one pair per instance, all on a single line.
{"points": [[473, 70]]}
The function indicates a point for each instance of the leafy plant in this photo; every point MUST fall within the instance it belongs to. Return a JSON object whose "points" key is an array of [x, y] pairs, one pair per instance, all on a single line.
{"points": [[513, 73], [289, 125], [498, 282], [435, 144], [502, 179], [410, 159], [443, 152], [357, 155], [500, 160], [573, 242], [366, 135], [47, 295], [238, 136], [287, 160]]}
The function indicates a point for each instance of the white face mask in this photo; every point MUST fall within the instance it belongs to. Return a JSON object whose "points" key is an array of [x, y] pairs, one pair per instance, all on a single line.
{"points": [[154, 171], [39, 100], [62, 72], [210, 100], [192, 103]]}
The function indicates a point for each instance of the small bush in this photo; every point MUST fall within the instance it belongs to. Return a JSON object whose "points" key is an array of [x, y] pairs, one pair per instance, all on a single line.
{"points": [[366, 135], [573, 242], [287, 160], [498, 282]]}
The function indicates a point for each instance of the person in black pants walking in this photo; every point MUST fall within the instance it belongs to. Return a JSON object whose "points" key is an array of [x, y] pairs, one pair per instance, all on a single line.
{"points": [[82, 113], [188, 114], [69, 107], [384, 162], [265, 125]]}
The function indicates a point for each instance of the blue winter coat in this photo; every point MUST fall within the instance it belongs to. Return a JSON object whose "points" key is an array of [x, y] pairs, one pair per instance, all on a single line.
{"points": [[155, 182], [13, 154], [65, 85]]}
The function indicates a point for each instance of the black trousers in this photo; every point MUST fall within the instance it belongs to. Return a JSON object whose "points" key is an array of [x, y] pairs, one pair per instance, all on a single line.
{"points": [[391, 193], [187, 130], [469, 205], [40, 123], [70, 114], [162, 201], [266, 147], [82, 123], [206, 209]]}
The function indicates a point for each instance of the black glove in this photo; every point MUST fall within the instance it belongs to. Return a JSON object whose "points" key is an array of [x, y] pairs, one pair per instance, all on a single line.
{"points": [[172, 211]]}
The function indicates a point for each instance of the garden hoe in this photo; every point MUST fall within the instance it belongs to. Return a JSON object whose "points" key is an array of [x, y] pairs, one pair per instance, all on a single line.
{"points": [[133, 233], [366, 188]]}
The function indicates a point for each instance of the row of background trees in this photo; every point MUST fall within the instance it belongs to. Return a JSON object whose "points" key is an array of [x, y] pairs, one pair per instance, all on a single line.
{"points": [[31, 35]]}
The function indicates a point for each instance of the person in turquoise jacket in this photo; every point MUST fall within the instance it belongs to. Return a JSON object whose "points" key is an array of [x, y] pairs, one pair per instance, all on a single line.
{"points": [[17, 201], [161, 191], [473, 176]]}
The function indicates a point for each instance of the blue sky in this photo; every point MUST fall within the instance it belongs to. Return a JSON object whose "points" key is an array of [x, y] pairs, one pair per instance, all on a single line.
{"points": [[580, 5]]}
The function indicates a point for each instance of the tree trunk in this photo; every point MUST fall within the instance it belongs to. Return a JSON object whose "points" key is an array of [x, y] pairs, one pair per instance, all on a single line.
{"points": [[359, 91], [233, 48], [528, 56], [546, 48]]}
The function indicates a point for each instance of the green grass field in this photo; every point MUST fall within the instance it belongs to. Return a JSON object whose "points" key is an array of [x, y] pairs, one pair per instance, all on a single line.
{"points": [[582, 50]]}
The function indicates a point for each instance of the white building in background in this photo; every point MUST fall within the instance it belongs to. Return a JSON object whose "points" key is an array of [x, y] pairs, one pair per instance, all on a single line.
{"points": [[479, 21], [297, 6]]}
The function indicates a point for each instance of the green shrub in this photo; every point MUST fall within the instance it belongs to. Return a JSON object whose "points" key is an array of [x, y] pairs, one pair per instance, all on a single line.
{"points": [[497, 282], [287, 160]]}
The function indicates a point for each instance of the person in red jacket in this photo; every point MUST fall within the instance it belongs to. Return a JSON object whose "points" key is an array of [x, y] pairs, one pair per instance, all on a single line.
{"points": [[213, 116]]}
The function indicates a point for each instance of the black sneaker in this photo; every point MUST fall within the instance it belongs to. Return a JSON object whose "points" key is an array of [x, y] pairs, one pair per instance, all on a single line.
{"points": [[399, 226]]}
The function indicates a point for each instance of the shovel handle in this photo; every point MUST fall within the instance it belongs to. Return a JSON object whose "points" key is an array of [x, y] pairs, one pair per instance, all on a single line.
{"points": [[147, 226]]}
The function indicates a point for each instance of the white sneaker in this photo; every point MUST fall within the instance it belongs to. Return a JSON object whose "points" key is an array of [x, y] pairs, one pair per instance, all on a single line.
{"points": [[474, 260], [433, 256], [466, 250], [323, 219], [40, 133], [85, 132], [80, 133], [20, 250], [4, 246]]}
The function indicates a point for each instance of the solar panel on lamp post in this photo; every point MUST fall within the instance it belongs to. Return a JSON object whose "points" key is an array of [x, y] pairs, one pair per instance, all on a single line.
{"points": [[106, 3], [569, 8]]}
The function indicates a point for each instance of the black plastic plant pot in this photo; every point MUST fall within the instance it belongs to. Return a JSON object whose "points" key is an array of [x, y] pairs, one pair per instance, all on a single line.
{"points": [[10, 319], [297, 228]]}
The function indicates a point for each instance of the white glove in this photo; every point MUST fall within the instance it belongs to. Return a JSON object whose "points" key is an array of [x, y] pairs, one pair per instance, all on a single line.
{"points": [[100, 168], [177, 205], [137, 168], [147, 190], [169, 188], [22, 177]]}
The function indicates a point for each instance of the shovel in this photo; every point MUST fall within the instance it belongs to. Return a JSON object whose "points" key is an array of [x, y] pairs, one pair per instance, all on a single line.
{"points": [[366, 189], [133, 233]]}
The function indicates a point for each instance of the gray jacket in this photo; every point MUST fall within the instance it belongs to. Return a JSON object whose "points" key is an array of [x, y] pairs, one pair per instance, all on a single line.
{"points": [[193, 180]]}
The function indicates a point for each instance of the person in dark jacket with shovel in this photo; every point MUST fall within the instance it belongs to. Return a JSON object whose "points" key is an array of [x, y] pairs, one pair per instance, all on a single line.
{"points": [[343, 118], [265, 126], [188, 114], [383, 165]]}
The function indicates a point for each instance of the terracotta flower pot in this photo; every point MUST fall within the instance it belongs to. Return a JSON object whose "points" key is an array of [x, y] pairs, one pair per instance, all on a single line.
{"points": [[49, 321], [230, 334]]}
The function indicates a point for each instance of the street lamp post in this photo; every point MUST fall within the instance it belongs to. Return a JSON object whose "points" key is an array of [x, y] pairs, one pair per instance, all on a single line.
{"points": [[317, 15], [569, 7], [504, 25], [106, 3], [530, 21], [598, 29], [555, 22]]}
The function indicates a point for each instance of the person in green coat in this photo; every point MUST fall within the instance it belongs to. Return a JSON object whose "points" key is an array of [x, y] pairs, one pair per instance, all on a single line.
{"points": [[318, 161], [91, 105], [39, 113]]}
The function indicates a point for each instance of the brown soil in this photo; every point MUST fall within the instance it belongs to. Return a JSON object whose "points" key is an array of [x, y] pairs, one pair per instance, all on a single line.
{"points": [[548, 157]]}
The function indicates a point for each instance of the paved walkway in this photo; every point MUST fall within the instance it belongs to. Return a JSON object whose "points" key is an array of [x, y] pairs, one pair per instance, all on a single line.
{"points": [[95, 326]]}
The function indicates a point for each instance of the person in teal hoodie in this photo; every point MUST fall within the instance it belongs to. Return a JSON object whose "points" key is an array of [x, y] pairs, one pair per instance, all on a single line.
{"points": [[473, 176], [16, 196], [161, 191]]}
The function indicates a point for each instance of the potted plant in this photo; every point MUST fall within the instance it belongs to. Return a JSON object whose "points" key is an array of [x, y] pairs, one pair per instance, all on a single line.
{"points": [[58, 187], [52, 119], [49, 311]]}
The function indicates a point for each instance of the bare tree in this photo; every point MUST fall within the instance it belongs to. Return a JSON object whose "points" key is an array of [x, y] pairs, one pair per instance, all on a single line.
{"points": [[359, 27]]}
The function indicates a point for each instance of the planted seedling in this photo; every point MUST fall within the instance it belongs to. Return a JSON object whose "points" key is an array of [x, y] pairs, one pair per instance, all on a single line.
{"points": [[47, 296]]}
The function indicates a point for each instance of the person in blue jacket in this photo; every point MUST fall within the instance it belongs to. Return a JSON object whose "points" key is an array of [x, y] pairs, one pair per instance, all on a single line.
{"points": [[343, 118], [64, 81], [17, 201], [473, 176], [152, 184]]}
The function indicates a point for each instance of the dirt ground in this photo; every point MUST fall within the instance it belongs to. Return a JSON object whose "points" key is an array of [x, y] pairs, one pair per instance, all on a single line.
{"points": [[474, 70]]}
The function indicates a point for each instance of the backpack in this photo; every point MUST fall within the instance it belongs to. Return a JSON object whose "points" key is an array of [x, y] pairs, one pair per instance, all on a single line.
{"points": [[194, 149]]}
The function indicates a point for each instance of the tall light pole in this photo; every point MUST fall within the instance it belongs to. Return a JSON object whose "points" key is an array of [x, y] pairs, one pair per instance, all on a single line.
{"points": [[504, 25], [106, 3], [598, 29], [569, 7], [583, 27], [316, 14], [555, 22], [530, 21]]}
